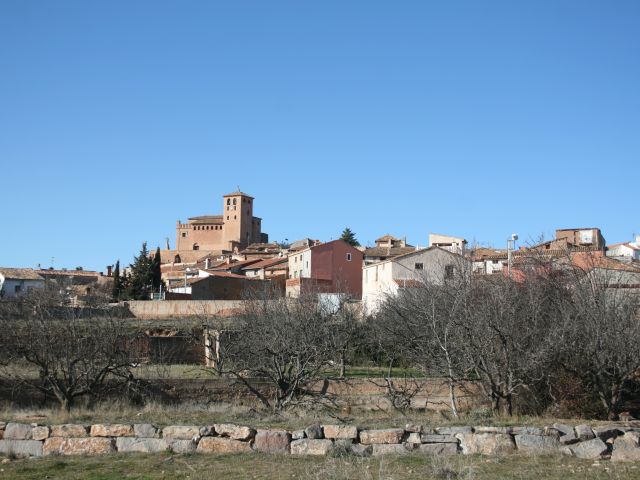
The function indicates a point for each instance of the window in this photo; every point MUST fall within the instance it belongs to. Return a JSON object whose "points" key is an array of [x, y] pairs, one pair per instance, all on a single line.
{"points": [[295, 259], [348, 257], [235, 218], [227, 217], [196, 246], [177, 259], [234, 202], [419, 266], [448, 271], [17, 289], [228, 201], [184, 234]]}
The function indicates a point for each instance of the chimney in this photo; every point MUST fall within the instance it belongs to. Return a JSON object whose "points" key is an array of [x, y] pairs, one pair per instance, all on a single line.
{"points": [[108, 270], [206, 264]]}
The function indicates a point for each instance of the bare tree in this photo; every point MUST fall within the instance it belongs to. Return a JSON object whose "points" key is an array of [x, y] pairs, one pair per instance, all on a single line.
{"points": [[60, 351]]}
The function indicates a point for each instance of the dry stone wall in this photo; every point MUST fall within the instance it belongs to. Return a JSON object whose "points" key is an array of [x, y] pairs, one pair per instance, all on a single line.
{"points": [[620, 443]]}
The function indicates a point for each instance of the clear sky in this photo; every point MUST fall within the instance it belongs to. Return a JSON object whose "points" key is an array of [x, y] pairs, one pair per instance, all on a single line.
{"points": [[473, 118]]}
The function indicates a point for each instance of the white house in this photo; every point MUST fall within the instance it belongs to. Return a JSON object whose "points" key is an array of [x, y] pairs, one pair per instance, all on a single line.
{"points": [[17, 281], [433, 264], [447, 242], [627, 250]]}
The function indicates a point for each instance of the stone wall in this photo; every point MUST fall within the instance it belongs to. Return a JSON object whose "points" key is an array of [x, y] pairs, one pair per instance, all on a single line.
{"points": [[615, 442], [145, 309]]}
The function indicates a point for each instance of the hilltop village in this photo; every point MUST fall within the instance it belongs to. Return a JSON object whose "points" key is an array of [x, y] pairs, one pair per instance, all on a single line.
{"points": [[224, 256]]}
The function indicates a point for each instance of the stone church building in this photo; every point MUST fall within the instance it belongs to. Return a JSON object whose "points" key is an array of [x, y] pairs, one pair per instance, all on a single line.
{"points": [[235, 229]]}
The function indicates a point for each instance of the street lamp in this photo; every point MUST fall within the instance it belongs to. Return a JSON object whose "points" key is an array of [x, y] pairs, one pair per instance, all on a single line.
{"points": [[511, 245]]}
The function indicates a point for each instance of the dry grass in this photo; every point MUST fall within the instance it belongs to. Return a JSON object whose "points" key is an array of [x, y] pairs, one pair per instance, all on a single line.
{"points": [[257, 466]]}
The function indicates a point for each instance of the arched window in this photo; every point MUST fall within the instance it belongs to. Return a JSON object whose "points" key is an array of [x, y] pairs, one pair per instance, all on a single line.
{"points": [[177, 259], [228, 201], [234, 201]]}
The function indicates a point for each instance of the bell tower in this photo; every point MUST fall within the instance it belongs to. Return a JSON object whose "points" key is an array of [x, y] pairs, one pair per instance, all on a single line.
{"points": [[237, 214]]}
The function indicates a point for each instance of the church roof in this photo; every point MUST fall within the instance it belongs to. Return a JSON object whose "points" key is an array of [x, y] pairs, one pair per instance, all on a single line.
{"points": [[236, 193], [206, 219]]}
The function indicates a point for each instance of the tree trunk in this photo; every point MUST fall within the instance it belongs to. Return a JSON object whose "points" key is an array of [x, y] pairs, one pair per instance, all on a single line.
{"points": [[495, 399], [341, 373]]}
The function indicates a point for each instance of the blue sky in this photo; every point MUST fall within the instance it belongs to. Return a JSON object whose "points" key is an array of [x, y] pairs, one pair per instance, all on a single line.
{"points": [[464, 117]]}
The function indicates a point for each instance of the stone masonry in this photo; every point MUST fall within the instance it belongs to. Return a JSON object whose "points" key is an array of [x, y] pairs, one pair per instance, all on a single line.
{"points": [[619, 443]]}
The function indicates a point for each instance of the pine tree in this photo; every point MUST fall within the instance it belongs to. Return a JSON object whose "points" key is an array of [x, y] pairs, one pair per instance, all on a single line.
{"points": [[116, 292], [349, 237], [156, 272], [141, 279]]}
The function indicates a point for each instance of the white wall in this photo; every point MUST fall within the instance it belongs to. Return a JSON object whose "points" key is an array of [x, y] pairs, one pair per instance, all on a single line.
{"points": [[8, 286]]}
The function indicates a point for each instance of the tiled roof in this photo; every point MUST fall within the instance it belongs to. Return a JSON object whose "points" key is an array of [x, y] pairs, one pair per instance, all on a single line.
{"points": [[218, 273], [386, 238], [20, 273], [236, 193], [266, 263], [483, 253], [207, 219], [386, 252]]}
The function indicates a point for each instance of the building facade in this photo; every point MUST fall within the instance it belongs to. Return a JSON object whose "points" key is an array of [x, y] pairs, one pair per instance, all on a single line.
{"points": [[236, 228]]}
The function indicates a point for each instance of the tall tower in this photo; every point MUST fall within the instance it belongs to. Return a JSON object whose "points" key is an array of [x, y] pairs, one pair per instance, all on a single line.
{"points": [[237, 216]]}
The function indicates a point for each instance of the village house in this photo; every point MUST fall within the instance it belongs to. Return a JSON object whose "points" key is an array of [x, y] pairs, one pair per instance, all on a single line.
{"points": [[332, 267], [625, 251], [488, 261], [386, 247], [386, 278], [446, 242], [15, 282]]}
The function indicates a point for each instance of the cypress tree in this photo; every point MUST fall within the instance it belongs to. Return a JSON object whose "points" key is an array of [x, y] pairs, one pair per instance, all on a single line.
{"points": [[349, 237], [156, 273], [116, 292]]}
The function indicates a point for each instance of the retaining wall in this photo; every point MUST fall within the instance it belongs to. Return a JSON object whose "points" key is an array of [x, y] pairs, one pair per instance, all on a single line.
{"points": [[147, 309], [615, 442]]}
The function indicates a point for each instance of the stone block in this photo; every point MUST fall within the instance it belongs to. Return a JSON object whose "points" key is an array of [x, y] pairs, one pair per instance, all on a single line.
{"points": [[314, 432], [307, 446], [297, 435], [207, 431], [78, 446], [526, 431], [380, 449], [40, 432], [589, 449], [486, 443], [183, 446], [111, 430], [413, 437], [222, 445], [181, 432], [625, 449], [537, 443], [360, 450], [437, 449], [413, 428], [68, 430], [584, 432], [17, 431], [384, 436], [435, 438], [234, 431], [272, 441], [606, 432], [340, 431], [146, 430], [141, 445], [21, 448], [481, 429]]}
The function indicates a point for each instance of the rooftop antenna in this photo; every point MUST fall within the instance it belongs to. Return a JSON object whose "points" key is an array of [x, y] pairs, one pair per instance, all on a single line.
{"points": [[238, 187], [167, 240]]}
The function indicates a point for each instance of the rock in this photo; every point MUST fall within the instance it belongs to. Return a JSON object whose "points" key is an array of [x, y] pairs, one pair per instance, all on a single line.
{"points": [[563, 429], [207, 431], [625, 449], [234, 431], [297, 435], [584, 432], [222, 445], [453, 430], [111, 430], [340, 431], [40, 432], [141, 445], [537, 443], [314, 432], [307, 446], [360, 450], [437, 449], [505, 430], [590, 449], [68, 430], [181, 432], [183, 446], [428, 438], [413, 437], [21, 448], [526, 431], [380, 449], [486, 443], [17, 431], [272, 441], [78, 446], [413, 428], [146, 430], [384, 436], [607, 431], [569, 439]]}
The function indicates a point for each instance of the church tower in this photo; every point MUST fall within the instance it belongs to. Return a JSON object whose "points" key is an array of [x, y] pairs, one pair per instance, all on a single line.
{"points": [[238, 220]]}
